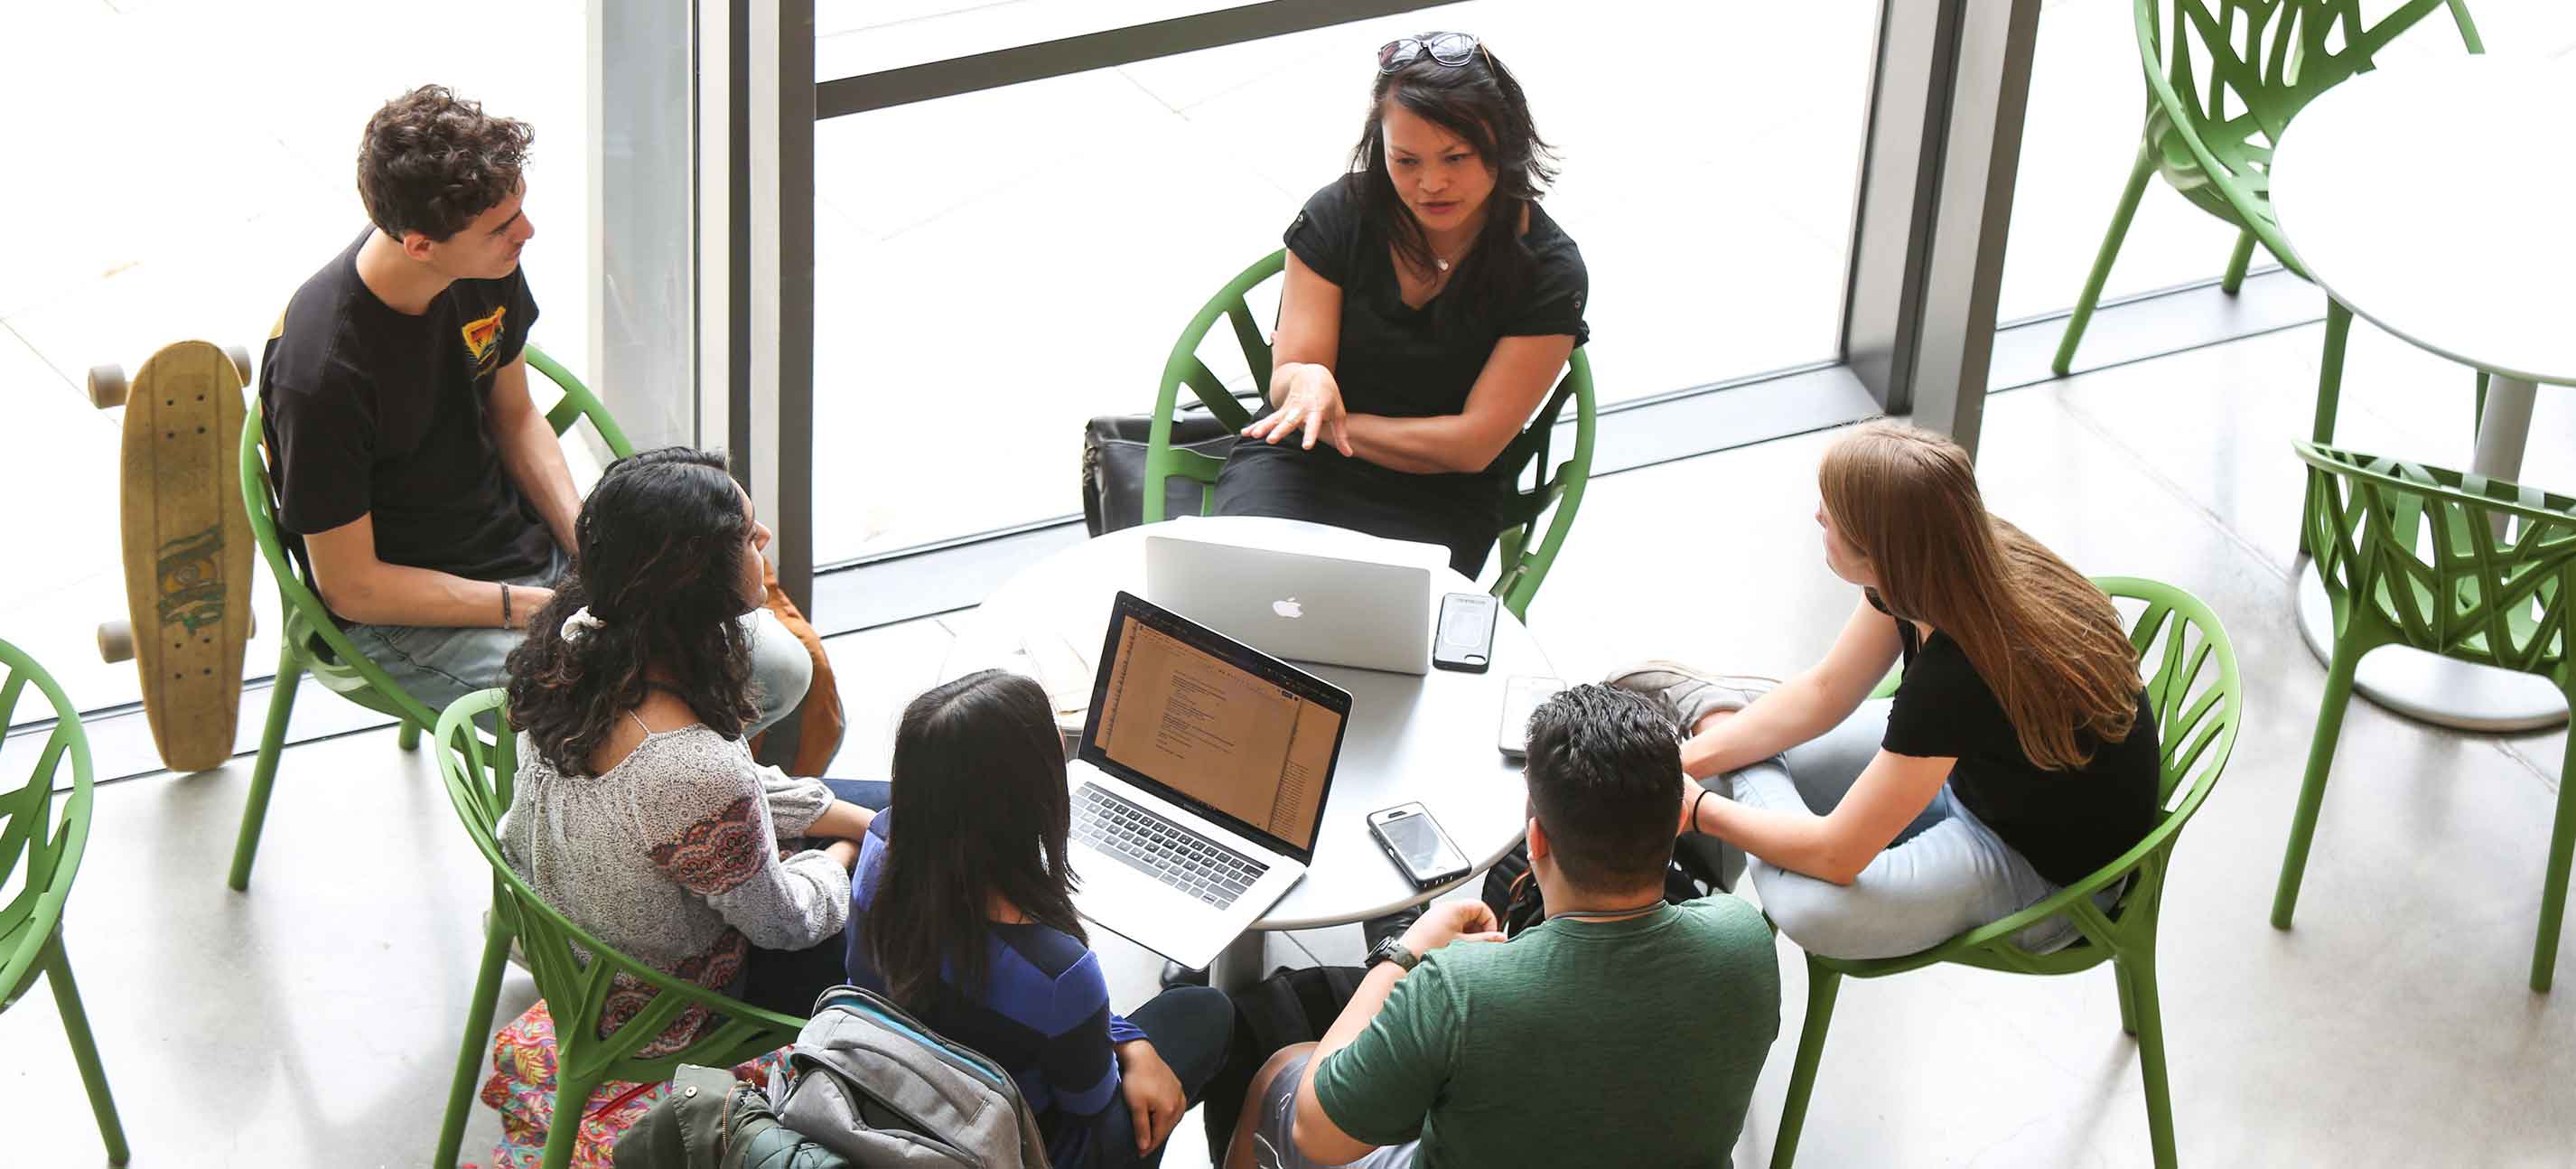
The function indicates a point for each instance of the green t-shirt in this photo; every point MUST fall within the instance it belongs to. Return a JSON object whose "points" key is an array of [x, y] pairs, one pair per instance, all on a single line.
{"points": [[1631, 1042]]}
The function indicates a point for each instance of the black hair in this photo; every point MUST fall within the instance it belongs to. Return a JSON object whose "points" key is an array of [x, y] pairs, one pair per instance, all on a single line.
{"points": [[1482, 104], [431, 162], [979, 774], [658, 561], [1605, 782]]}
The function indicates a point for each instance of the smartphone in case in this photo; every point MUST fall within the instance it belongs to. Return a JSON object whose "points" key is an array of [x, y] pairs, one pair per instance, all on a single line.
{"points": [[1521, 696], [1414, 841], [1464, 639]]}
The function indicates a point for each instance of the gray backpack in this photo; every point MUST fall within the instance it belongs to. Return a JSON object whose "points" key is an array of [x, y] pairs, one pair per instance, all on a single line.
{"points": [[874, 1085]]}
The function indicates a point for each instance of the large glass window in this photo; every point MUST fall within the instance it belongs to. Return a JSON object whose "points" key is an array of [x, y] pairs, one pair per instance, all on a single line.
{"points": [[2087, 105], [197, 164], [994, 268]]}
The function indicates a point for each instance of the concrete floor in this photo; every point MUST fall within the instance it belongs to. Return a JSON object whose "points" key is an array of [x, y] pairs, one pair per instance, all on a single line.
{"points": [[312, 1020]]}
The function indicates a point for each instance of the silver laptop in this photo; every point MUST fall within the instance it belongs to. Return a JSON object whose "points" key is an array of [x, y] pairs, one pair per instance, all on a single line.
{"points": [[1200, 783], [1362, 602]]}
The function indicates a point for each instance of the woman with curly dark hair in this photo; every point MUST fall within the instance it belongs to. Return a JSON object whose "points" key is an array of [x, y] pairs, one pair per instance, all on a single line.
{"points": [[638, 811]]}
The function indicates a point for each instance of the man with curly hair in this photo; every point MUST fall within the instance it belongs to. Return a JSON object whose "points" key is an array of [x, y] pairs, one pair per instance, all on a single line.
{"points": [[426, 491]]}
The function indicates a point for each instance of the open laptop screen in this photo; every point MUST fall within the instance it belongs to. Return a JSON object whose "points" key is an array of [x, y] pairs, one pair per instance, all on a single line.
{"points": [[1197, 717]]}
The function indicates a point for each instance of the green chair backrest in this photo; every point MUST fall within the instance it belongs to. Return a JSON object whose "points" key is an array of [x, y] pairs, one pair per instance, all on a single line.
{"points": [[578, 991], [1527, 552], [2233, 73], [327, 652], [2192, 685], [41, 850], [2461, 565]]}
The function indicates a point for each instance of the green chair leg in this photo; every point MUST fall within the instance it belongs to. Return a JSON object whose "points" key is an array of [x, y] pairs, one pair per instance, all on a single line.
{"points": [[58, 974], [2329, 384], [2128, 1000], [478, 1040], [2330, 371], [571, 1096], [1822, 985], [2236, 263], [2312, 789], [2083, 314], [2140, 973], [2553, 891], [272, 741], [408, 738]]}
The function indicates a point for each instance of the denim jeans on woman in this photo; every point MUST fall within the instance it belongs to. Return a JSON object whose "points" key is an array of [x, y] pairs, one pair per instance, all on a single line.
{"points": [[1945, 873]]}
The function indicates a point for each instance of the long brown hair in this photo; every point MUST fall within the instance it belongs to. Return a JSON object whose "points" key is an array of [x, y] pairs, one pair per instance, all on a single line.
{"points": [[979, 774], [2046, 641]]}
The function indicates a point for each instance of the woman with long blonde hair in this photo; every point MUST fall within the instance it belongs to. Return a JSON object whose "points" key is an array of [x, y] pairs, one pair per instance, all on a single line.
{"points": [[2017, 756]]}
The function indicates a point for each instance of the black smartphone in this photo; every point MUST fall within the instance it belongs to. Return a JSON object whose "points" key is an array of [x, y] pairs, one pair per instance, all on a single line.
{"points": [[1414, 841], [1465, 638]]}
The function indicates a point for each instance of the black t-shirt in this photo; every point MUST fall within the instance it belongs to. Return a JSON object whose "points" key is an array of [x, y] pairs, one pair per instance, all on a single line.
{"points": [[2066, 823], [1400, 362], [370, 411]]}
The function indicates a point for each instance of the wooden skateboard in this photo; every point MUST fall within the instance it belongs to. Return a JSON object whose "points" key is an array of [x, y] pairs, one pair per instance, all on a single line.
{"points": [[187, 545]]}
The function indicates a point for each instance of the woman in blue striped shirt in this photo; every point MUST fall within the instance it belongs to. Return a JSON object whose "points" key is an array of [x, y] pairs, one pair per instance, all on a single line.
{"points": [[966, 919]]}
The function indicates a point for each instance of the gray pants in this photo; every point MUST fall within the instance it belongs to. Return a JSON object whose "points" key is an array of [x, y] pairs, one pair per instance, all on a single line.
{"points": [[439, 665], [1946, 872]]}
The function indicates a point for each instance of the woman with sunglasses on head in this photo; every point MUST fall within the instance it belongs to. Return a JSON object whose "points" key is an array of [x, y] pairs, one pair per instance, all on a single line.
{"points": [[2018, 755], [962, 913], [638, 812], [1429, 307]]}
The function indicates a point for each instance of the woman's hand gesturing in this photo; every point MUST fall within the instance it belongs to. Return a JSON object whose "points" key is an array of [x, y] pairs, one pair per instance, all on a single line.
{"points": [[1314, 405]]}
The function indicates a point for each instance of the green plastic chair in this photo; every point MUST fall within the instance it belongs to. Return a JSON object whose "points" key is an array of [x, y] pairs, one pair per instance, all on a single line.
{"points": [[2418, 556], [311, 643], [479, 776], [2219, 93], [31, 923], [1527, 551], [2192, 685]]}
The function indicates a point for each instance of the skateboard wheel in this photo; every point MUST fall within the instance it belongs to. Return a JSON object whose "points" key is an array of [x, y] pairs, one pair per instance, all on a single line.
{"points": [[241, 361], [106, 386], [115, 641]]}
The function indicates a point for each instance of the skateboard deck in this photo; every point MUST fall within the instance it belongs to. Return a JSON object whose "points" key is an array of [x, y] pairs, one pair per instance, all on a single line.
{"points": [[187, 545]]}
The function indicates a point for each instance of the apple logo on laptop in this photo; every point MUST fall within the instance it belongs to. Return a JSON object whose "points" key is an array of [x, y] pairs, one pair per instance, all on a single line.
{"points": [[1288, 608]]}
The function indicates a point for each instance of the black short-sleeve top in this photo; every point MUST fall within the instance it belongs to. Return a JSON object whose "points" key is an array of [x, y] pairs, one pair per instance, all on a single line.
{"points": [[2066, 823], [1393, 359], [1405, 362], [369, 411]]}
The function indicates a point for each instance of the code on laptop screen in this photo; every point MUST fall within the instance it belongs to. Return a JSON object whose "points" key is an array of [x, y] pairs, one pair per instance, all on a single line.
{"points": [[1220, 734]]}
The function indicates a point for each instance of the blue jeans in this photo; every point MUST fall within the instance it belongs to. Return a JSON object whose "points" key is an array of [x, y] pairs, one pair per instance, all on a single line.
{"points": [[788, 981], [439, 665], [1944, 874]]}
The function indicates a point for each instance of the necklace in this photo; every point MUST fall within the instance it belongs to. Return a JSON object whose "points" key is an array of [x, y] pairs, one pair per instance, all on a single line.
{"points": [[1443, 261]]}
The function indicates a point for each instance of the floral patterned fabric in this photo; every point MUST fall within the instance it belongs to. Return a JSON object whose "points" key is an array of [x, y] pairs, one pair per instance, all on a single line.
{"points": [[522, 1087]]}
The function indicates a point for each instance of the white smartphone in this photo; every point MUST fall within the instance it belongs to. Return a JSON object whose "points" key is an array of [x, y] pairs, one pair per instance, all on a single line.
{"points": [[1521, 696], [1414, 841]]}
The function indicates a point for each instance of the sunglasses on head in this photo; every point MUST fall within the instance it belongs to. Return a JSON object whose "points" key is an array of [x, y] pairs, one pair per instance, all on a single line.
{"points": [[1447, 48]]}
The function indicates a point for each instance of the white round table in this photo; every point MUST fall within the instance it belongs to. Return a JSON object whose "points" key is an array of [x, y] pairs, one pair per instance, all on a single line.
{"points": [[1428, 737], [2438, 201]]}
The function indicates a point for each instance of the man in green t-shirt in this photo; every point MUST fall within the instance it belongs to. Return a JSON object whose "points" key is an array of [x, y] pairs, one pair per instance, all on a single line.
{"points": [[1622, 1031]]}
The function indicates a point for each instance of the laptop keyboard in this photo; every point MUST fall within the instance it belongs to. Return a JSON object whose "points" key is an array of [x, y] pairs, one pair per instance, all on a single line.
{"points": [[1158, 848]]}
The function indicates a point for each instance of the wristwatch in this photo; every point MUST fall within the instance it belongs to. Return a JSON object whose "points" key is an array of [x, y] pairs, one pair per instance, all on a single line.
{"points": [[1393, 950]]}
